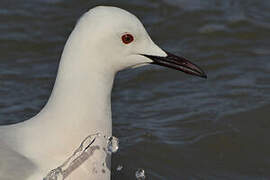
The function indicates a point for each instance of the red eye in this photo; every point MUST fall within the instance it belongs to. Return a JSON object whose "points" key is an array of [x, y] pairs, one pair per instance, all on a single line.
{"points": [[127, 38]]}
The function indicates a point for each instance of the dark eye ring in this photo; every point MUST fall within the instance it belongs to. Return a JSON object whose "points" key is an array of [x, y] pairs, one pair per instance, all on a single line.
{"points": [[127, 38]]}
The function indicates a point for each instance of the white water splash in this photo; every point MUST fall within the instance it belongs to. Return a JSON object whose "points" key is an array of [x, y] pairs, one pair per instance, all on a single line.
{"points": [[113, 144], [79, 156], [140, 174], [119, 168]]}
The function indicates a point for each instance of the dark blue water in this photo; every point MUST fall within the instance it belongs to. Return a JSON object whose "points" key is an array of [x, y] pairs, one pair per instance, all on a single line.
{"points": [[172, 125]]}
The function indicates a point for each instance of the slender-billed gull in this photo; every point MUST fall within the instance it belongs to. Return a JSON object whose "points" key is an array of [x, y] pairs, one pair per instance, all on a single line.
{"points": [[104, 41]]}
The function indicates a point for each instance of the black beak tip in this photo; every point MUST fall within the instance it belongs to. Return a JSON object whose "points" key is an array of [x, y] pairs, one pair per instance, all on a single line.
{"points": [[178, 63], [204, 76]]}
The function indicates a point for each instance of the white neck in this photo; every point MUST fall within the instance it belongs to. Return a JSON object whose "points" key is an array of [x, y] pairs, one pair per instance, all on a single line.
{"points": [[81, 97], [80, 104]]}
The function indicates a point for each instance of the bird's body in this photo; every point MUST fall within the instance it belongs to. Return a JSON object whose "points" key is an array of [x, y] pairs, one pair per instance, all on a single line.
{"points": [[80, 103]]}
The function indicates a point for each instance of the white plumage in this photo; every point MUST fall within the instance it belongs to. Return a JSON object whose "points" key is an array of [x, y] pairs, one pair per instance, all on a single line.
{"points": [[80, 101]]}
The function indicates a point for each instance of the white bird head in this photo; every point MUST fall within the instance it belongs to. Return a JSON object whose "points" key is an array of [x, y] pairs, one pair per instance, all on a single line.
{"points": [[119, 39]]}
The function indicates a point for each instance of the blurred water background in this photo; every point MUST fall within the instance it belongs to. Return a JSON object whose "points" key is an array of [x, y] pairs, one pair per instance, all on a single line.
{"points": [[172, 125]]}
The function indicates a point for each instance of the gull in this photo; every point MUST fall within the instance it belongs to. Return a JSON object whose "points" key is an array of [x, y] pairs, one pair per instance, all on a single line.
{"points": [[104, 41]]}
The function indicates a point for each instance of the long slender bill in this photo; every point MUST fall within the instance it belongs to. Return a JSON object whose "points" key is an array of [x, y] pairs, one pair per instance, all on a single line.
{"points": [[178, 63]]}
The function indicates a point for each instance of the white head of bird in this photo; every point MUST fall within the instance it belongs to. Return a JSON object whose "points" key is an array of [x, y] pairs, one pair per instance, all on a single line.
{"points": [[118, 40]]}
